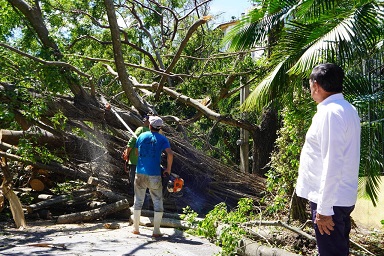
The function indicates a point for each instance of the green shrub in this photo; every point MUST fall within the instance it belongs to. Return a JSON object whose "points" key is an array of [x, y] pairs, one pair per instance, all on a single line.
{"points": [[229, 224]]}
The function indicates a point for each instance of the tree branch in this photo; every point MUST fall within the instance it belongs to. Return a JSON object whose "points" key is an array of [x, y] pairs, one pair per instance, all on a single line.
{"points": [[191, 30], [202, 108], [34, 16], [126, 64], [136, 100], [44, 62]]}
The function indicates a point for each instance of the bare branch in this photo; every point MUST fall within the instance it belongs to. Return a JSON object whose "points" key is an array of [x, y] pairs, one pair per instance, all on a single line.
{"points": [[142, 27], [175, 21], [93, 19], [209, 113], [126, 64], [196, 6], [191, 30], [46, 63]]}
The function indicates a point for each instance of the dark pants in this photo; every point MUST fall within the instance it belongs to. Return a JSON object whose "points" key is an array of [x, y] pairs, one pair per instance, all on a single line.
{"points": [[132, 174], [337, 243]]}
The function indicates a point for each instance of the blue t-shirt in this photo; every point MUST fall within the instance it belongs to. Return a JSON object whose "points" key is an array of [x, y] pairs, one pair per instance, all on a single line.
{"points": [[150, 146]]}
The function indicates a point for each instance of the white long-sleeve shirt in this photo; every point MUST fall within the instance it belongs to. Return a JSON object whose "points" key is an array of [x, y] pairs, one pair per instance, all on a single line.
{"points": [[330, 158]]}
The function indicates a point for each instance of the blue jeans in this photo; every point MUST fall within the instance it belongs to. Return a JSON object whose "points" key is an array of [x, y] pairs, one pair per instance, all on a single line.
{"points": [[337, 243]]}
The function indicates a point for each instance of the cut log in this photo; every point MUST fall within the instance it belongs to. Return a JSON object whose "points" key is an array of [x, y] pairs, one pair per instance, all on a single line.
{"points": [[93, 214], [111, 196], [48, 202], [54, 167], [57, 200], [43, 137], [36, 184], [248, 247], [43, 197], [93, 181], [41, 214]]}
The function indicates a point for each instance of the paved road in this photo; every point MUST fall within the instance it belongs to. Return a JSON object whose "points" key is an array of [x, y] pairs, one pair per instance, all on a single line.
{"points": [[42, 238]]}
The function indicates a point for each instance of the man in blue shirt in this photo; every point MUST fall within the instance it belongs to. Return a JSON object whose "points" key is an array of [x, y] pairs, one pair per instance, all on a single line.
{"points": [[329, 161], [149, 147]]}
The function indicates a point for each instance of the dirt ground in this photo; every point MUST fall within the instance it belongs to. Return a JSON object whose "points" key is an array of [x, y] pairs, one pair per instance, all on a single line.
{"points": [[46, 238]]}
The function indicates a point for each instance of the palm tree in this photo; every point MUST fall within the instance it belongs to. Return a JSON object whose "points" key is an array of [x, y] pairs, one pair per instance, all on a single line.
{"points": [[297, 35]]}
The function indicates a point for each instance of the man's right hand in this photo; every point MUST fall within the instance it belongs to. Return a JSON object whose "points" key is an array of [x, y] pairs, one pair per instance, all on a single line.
{"points": [[324, 223], [126, 155]]}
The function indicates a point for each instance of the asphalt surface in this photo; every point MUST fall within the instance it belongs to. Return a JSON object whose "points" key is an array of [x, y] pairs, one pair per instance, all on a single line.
{"points": [[47, 238]]}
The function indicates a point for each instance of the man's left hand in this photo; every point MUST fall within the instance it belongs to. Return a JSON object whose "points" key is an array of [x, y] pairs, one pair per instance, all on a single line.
{"points": [[324, 223]]}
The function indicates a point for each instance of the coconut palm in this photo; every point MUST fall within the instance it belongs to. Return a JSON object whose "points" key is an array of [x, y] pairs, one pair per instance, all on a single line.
{"points": [[297, 35]]}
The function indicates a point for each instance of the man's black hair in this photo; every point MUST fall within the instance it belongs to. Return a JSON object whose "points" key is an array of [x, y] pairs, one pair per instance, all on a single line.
{"points": [[329, 76], [154, 129], [145, 117]]}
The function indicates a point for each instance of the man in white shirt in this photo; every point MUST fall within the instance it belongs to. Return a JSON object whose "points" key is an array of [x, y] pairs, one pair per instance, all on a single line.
{"points": [[329, 161]]}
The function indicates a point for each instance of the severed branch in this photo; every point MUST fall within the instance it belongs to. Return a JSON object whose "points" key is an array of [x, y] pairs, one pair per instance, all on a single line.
{"points": [[7, 191], [281, 224]]}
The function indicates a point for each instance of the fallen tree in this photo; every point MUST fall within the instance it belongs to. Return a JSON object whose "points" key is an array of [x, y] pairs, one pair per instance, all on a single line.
{"points": [[59, 121]]}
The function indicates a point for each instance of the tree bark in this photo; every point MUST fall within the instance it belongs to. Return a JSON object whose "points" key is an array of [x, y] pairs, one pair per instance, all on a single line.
{"points": [[93, 214], [248, 247], [127, 84], [57, 200]]}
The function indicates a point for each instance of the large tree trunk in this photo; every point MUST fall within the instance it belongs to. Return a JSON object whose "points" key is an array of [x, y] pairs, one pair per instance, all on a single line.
{"points": [[263, 142]]}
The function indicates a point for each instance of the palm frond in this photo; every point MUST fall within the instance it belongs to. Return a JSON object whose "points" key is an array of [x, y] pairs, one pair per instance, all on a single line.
{"points": [[345, 38], [266, 90], [254, 28], [364, 92]]}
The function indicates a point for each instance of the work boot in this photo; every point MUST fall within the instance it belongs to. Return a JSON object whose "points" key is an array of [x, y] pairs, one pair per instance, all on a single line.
{"points": [[136, 221], [156, 224]]}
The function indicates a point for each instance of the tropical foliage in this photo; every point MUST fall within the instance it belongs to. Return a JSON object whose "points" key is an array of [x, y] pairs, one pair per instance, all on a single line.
{"points": [[297, 35]]}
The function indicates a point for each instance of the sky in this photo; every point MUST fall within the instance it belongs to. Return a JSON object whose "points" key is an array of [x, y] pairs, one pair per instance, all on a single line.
{"points": [[229, 8]]}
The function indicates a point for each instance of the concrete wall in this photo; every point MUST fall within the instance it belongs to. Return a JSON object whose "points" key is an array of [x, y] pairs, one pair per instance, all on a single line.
{"points": [[365, 214]]}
